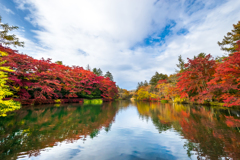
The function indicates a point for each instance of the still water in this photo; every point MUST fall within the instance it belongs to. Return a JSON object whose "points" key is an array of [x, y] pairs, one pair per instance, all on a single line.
{"points": [[120, 130]]}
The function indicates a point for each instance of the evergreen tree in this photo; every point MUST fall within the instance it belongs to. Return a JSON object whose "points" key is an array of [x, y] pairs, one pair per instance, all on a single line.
{"points": [[100, 73], [95, 71], [145, 83], [200, 55], [157, 77], [180, 64], [6, 39], [229, 42], [109, 75], [88, 67], [138, 86], [59, 62]]}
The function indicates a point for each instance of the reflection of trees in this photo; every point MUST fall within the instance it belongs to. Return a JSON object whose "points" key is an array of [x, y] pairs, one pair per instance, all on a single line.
{"points": [[27, 131], [123, 104], [211, 133]]}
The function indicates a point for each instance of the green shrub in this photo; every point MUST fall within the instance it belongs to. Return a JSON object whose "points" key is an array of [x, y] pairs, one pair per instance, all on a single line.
{"points": [[164, 101], [93, 101]]}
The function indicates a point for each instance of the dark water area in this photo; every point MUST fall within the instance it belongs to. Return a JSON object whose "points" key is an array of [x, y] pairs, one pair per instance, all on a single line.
{"points": [[120, 130]]}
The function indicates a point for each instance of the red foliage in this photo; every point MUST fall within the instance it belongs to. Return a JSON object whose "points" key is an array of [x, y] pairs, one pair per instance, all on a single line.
{"points": [[162, 81], [232, 122], [43, 80], [192, 83], [226, 80]]}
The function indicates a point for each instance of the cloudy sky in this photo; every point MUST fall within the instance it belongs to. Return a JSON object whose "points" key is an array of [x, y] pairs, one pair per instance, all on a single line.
{"points": [[130, 38]]}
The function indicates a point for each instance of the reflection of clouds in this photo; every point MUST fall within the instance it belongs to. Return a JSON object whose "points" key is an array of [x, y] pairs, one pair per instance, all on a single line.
{"points": [[129, 138]]}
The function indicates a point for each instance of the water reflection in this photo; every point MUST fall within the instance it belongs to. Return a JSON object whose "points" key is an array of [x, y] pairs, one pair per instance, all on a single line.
{"points": [[28, 131], [121, 130], [211, 133]]}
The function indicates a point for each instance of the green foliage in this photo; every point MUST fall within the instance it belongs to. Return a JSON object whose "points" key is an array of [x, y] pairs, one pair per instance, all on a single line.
{"points": [[229, 42], [180, 64], [86, 101], [140, 84], [9, 39], [59, 62], [94, 133], [93, 101], [157, 77], [96, 101], [145, 83], [109, 75], [98, 71], [200, 55], [164, 101]]}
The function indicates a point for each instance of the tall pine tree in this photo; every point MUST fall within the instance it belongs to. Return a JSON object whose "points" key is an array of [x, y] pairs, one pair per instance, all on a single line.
{"points": [[229, 42], [7, 39], [109, 75]]}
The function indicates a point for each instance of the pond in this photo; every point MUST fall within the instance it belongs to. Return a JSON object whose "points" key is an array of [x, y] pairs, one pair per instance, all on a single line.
{"points": [[120, 130]]}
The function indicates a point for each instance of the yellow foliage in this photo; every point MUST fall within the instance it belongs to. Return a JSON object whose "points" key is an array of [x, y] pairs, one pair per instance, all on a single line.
{"points": [[5, 105], [179, 100], [57, 101], [142, 94], [153, 95], [57, 105], [163, 89]]}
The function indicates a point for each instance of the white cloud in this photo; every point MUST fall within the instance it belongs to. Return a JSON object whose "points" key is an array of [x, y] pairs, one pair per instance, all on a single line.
{"points": [[7, 10], [101, 33]]}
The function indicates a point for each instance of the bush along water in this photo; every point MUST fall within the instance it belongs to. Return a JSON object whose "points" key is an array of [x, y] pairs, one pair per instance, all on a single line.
{"points": [[42, 81], [92, 101]]}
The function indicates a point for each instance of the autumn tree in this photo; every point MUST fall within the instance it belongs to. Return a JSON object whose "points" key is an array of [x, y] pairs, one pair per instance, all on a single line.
{"points": [[192, 83], [5, 105], [162, 87], [226, 83], [42, 81], [7, 39], [173, 78], [142, 94], [228, 43], [125, 94]]}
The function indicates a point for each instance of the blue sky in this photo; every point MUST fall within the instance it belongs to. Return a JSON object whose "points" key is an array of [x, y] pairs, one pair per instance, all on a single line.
{"points": [[130, 38]]}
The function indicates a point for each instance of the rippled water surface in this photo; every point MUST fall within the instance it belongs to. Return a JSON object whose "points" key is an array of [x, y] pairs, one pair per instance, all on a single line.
{"points": [[120, 130]]}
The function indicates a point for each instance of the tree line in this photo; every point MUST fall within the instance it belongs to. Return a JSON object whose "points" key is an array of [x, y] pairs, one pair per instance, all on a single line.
{"points": [[202, 79], [31, 81]]}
